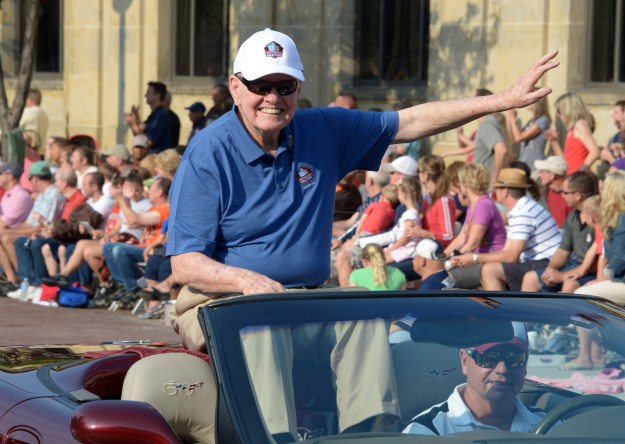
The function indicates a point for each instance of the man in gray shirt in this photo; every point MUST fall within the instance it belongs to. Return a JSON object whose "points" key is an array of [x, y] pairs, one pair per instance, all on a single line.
{"points": [[491, 148], [564, 272]]}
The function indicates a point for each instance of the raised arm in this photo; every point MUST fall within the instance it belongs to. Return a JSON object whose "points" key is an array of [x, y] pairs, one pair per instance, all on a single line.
{"points": [[436, 117]]}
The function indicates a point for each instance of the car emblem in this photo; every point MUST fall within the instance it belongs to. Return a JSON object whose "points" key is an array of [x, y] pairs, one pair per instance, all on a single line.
{"points": [[274, 50], [172, 388]]}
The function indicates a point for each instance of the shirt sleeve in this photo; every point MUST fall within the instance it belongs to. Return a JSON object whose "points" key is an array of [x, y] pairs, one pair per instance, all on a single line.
{"points": [[194, 223], [414, 428]]}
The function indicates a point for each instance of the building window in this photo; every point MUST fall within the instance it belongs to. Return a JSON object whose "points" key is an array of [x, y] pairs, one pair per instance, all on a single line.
{"points": [[48, 47], [201, 30], [49, 38], [607, 41], [392, 40]]}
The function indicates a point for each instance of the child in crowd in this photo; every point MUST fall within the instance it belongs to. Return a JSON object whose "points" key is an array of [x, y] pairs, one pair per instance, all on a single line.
{"points": [[379, 216], [375, 275], [395, 239]]}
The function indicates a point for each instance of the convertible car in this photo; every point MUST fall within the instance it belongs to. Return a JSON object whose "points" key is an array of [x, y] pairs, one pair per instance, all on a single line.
{"points": [[301, 366]]}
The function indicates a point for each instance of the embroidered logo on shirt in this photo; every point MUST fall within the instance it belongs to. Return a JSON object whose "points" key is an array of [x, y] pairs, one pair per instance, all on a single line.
{"points": [[305, 175], [274, 50]]}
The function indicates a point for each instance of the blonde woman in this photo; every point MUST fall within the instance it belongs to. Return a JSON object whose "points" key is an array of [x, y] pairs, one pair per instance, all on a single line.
{"points": [[613, 230], [532, 135], [483, 229], [166, 162], [375, 275], [580, 148]]}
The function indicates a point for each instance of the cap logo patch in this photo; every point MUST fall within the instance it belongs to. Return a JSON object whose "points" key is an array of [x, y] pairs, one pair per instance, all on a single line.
{"points": [[274, 50]]}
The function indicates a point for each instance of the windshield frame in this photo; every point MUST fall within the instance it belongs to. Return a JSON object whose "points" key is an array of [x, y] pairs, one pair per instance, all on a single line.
{"points": [[222, 321]]}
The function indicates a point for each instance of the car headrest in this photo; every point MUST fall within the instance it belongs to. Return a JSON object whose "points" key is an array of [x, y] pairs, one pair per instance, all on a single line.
{"points": [[426, 374], [182, 388]]}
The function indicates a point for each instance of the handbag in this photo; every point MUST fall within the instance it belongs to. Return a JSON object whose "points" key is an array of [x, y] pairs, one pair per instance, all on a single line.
{"points": [[74, 296]]}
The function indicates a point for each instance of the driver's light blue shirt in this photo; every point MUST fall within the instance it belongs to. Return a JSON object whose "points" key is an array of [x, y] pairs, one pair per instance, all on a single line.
{"points": [[241, 206], [453, 416]]}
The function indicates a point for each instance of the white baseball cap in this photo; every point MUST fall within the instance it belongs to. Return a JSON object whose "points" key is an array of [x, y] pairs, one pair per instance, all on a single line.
{"points": [[431, 249], [555, 164], [404, 164], [268, 52]]}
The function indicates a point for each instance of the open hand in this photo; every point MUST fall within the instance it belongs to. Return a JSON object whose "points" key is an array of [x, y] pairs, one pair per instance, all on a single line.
{"points": [[524, 91]]}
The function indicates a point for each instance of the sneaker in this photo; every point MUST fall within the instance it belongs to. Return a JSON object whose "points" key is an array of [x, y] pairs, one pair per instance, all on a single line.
{"points": [[34, 294], [6, 287], [47, 303], [15, 294], [58, 280], [102, 296]]}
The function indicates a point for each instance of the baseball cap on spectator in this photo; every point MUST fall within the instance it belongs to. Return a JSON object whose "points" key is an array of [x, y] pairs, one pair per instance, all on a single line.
{"points": [[268, 52], [118, 150], [429, 249], [512, 178], [519, 339], [197, 107], [555, 164], [140, 140], [40, 168], [14, 168], [404, 165]]}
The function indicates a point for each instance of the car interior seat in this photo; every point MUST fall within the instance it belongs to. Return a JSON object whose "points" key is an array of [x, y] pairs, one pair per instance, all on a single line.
{"points": [[182, 388], [425, 374]]}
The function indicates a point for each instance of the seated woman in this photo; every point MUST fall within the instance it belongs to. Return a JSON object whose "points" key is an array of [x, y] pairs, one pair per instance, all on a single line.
{"points": [[439, 209], [483, 229]]}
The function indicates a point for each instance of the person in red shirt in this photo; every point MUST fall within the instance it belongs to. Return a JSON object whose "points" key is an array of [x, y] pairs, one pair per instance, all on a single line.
{"points": [[379, 216], [439, 208], [580, 148], [552, 172], [66, 182]]}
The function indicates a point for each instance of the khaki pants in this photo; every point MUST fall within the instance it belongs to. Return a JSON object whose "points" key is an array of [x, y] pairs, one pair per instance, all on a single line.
{"points": [[613, 291], [360, 360]]}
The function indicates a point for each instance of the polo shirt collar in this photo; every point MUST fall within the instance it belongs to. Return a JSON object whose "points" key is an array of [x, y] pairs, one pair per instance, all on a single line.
{"points": [[251, 152], [460, 415]]}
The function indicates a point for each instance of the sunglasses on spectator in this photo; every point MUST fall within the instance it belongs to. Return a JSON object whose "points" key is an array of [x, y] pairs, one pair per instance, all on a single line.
{"points": [[262, 87], [490, 359]]}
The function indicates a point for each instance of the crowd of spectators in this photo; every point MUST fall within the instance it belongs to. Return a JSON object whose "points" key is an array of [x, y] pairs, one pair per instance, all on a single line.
{"points": [[75, 215], [524, 213]]}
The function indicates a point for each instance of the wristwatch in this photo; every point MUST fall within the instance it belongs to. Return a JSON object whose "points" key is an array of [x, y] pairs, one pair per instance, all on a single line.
{"points": [[474, 258]]}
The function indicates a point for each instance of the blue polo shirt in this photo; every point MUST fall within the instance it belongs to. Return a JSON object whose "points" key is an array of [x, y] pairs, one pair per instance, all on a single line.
{"points": [[241, 206], [158, 128]]}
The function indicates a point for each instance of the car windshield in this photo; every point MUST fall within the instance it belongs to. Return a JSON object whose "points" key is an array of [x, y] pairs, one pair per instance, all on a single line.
{"points": [[309, 367]]}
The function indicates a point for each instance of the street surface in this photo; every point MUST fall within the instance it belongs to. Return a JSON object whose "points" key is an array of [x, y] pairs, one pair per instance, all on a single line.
{"points": [[23, 323]]}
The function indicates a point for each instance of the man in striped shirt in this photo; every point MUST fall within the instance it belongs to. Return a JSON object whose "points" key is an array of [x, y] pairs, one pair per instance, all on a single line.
{"points": [[533, 236]]}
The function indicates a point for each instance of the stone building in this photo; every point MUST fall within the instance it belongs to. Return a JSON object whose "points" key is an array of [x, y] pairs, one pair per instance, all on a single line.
{"points": [[96, 56]]}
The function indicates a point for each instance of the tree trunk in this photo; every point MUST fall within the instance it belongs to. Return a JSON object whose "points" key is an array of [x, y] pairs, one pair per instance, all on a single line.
{"points": [[10, 118]]}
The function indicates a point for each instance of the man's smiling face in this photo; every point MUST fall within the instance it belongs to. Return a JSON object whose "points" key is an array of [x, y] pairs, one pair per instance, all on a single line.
{"points": [[264, 116]]}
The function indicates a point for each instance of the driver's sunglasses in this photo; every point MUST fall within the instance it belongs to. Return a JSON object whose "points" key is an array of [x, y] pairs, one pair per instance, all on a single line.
{"points": [[490, 359], [262, 87]]}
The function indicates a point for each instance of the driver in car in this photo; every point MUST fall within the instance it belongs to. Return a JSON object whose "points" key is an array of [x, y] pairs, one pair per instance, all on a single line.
{"points": [[488, 400]]}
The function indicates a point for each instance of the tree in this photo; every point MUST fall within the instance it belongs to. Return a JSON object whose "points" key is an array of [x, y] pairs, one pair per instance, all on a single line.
{"points": [[10, 118]]}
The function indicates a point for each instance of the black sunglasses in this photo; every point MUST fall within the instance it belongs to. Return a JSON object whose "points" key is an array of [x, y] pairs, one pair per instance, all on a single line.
{"points": [[262, 87], [490, 359]]}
